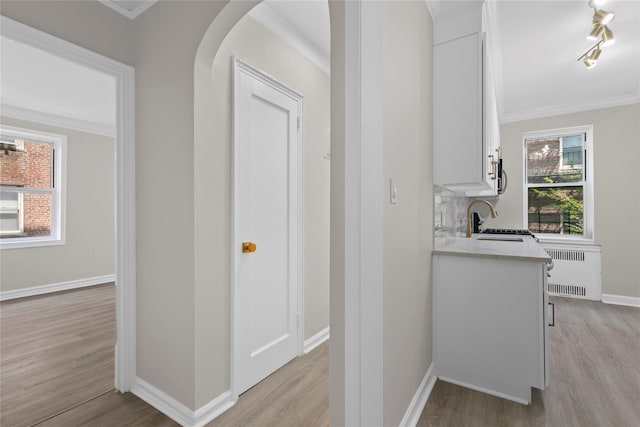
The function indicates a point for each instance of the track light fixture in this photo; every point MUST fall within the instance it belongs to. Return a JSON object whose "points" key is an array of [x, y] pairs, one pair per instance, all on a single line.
{"points": [[599, 31], [602, 17], [607, 37], [590, 57], [596, 32]]}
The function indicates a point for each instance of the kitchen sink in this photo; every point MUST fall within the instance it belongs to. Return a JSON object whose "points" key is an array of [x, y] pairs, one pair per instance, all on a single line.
{"points": [[501, 238]]}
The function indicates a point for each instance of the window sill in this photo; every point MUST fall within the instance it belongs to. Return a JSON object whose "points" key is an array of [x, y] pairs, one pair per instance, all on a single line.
{"points": [[30, 242], [577, 241]]}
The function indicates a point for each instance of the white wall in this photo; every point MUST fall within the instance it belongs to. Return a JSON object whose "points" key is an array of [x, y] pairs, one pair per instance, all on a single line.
{"points": [[408, 225], [617, 188], [89, 249]]}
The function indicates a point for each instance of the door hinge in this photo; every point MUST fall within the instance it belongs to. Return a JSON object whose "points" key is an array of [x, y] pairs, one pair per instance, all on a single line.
{"points": [[298, 122]]}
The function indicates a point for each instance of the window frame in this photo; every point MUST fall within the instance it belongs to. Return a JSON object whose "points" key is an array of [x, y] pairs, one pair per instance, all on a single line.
{"points": [[588, 235], [58, 191]]}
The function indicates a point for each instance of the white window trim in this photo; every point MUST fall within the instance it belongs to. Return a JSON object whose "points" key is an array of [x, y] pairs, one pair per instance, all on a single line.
{"points": [[58, 199], [589, 232]]}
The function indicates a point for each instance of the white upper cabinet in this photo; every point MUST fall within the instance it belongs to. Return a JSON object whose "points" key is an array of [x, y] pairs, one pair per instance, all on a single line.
{"points": [[466, 137]]}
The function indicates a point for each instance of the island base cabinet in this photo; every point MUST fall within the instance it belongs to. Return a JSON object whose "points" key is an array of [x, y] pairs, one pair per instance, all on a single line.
{"points": [[490, 324]]}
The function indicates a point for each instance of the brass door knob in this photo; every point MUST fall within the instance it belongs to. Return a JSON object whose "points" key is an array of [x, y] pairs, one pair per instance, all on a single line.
{"points": [[248, 247]]}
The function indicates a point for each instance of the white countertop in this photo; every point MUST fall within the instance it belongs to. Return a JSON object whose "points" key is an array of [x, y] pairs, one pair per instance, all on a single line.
{"points": [[527, 249]]}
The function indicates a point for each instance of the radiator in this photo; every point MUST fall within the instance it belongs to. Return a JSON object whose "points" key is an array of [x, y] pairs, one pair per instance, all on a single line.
{"points": [[576, 271]]}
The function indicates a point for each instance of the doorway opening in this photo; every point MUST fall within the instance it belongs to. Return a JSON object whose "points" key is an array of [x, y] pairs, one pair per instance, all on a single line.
{"points": [[123, 183], [267, 41]]}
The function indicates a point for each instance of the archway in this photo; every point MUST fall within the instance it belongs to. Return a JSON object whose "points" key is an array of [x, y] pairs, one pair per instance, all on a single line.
{"points": [[356, 212]]}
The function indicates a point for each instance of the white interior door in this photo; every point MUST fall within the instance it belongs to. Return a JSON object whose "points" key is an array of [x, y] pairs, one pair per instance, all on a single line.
{"points": [[266, 219]]}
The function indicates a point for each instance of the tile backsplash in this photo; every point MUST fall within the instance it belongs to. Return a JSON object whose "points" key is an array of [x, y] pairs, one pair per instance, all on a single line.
{"points": [[449, 213]]}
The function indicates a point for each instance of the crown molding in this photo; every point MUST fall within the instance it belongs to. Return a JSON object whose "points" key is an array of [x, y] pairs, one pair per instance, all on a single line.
{"points": [[131, 14], [273, 22], [20, 113], [558, 110], [430, 8]]}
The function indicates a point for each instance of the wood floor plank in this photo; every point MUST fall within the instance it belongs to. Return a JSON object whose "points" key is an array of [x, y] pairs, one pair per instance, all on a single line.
{"points": [[56, 350], [296, 395], [112, 410]]}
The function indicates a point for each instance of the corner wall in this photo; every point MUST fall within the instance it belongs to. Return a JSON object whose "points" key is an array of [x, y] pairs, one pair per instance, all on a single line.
{"points": [[408, 225], [616, 190]]}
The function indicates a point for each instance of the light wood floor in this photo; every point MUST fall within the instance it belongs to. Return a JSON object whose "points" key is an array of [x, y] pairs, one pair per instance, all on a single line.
{"points": [[56, 350], [595, 377], [595, 362]]}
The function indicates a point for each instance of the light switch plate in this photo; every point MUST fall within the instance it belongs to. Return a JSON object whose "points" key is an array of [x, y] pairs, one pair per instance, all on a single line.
{"points": [[393, 191]]}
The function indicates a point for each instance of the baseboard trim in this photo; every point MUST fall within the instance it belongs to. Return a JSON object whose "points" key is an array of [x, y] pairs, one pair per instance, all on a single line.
{"points": [[316, 340], [176, 410], [214, 409], [414, 411], [56, 287], [621, 300], [487, 391]]}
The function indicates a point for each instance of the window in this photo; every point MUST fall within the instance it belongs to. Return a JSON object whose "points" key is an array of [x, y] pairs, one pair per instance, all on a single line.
{"points": [[559, 189], [31, 188]]}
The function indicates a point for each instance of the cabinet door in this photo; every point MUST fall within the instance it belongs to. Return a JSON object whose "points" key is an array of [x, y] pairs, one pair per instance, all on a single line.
{"points": [[491, 129], [458, 130]]}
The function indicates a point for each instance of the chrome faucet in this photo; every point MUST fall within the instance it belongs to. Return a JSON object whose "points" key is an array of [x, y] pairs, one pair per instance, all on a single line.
{"points": [[493, 213]]}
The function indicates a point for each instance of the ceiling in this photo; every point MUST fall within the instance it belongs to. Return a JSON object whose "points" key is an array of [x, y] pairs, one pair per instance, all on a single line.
{"points": [[302, 24], [129, 8], [37, 85], [541, 41], [539, 44]]}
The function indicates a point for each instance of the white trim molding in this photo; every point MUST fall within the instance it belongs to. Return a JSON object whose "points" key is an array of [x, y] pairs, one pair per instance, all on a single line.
{"points": [[357, 216], [412, 415], [621, 300], [272, 21], [129, 13], [20, 113], [558, 110], [56, 287], [176, 410], [316, 340], [124, 75]]}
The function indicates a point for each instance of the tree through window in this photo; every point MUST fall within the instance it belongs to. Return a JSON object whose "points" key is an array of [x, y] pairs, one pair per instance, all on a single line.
{"points": [[557, 182]]}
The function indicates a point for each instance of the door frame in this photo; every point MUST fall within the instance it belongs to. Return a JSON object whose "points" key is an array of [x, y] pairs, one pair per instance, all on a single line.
{"points": [[125, 230], [240, 66]]}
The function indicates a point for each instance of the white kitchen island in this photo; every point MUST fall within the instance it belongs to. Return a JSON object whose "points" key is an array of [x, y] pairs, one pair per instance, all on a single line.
{"points": [[490, 315]]}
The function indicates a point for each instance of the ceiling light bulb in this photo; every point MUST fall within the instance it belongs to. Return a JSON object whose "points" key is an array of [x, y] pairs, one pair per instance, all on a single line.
{"points": [[602, 17], [596, 3], [607, 37], [589, 63], [595, 33]]}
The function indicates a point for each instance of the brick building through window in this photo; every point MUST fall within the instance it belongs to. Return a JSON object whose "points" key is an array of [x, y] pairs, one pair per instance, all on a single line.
{"points": [[30, 196]]}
